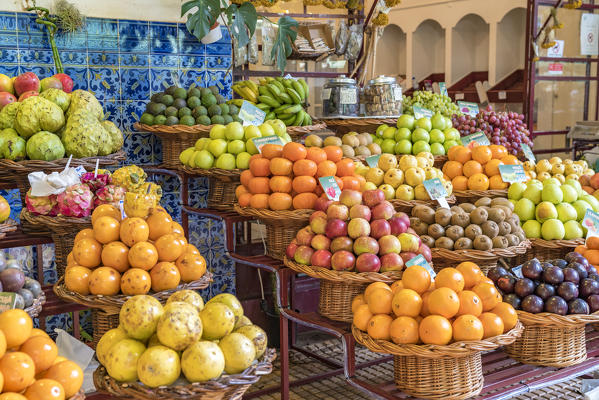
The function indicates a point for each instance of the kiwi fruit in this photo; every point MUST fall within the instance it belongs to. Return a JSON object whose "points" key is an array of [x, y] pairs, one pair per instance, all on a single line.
{"points": [[462, 219], [500, 201], [500, 242], [514, 223], [483, 201], [427, 240], [468, 207], [424, 213], [479, 216], [482, 242], [506, 210], [520, 234], [512, 239], [496, 215], [504, 228], [472, 231], [454, 232], [490, 229], [444, 243], [443, 216], [421, 228], [436, 231], [456, 209], [463, 243]]}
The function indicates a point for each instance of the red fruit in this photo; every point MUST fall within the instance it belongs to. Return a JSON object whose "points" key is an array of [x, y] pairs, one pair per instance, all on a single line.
{"points": [[407, 256], [303, 254], [373, 197], [6, 98], [67, 82], [321, 258], [291, 248], [391, 262], [594, 181], [336, 228], [368, 262], [322, 203], [343, 260], [317, 214], [28, 94], [304, 236], [425, 251], [27, 82]]}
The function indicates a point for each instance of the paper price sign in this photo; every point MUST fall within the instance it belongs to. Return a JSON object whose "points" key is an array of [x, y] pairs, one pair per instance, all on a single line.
{"points": [[435, 189], [421, 112], [512, 173], [259, 142], [7, 301], [476, 138], [468, 108], [80, 170], [591, 222], [518, 271], [443, 88], [250, 114], [528, 152], [373, 161], [420, 260], [330, 187]]}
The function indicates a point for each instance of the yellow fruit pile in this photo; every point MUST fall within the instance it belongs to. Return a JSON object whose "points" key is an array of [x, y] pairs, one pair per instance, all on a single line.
{"points": [[555, 167], [461, 304]]}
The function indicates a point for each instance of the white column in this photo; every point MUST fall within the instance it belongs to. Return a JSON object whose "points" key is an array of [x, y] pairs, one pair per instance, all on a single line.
{"points": [[409, 57], [448, 55], [492, 53]]}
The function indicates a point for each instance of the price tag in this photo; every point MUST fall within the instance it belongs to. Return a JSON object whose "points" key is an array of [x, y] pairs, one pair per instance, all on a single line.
{"points": [[528, 152], [459, 96], [476, 138], [288, 76], [512, 173], [518, 271], [420, 260], [502, 95], [443, 88], [421, 112], [326, 94], [397, 94], [8, 301], [373, 161], [435, 189], [250, 114], [591, 222], [348, 96], [261, 141], [468, 108], [80, 170], [122, 208], [330, 187]]}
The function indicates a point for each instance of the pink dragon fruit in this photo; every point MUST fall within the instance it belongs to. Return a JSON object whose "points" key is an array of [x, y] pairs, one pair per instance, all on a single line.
{"points": [[109, 194], [96, 183], [76, 201], [40, 205]]}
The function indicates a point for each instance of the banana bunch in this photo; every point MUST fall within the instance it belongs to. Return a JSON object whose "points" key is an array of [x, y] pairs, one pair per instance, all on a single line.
{"points": [[279, 98]]}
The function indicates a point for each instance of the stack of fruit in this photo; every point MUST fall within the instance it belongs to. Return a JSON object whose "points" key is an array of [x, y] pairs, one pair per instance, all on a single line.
{"points": [[555, 167], [590, 250], [154, 344], [590, 182], [286, 177], [13, 279], [461, 304], [477, 168], [231, 146], [402, 179], [362, 233], [487, 224], [279, 98], [412, 136], [193, 106], [437, 103], [28, 85], [551, 210], [352, 144], [30, 363]]}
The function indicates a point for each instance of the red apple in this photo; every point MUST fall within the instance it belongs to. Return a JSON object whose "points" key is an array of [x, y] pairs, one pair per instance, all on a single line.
{"points": [[336, 228], [343, 261], [303, 254], [320, 242], [404, 217], [425, 251], [350, 197], [28, 94], [322, 203], [373, 197], [321, 258], [304, 236], [398, 225], [368, 262], [407, 256], [341, 243], [383, 210], [366, 244], [318, 224], [291, 248], [391, 262], [67, 82], [317, 214], [338, 211], [50, 82], [389, 244], [358, 227], [27, 82], [7, 98], [411, 231], [409, 242], [360, 211], [380, 228]]}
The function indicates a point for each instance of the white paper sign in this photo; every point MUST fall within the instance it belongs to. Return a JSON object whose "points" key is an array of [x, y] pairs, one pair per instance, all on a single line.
{"points": [[589, 30], [555, 69], [557, 50]]}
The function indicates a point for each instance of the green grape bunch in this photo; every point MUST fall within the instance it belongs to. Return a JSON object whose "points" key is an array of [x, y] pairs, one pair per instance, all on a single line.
{"points": [[432, 101]]}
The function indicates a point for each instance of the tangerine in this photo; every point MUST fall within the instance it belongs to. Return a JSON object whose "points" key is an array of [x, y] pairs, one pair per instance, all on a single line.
{"points": [[68, 374], [396, 286], [245, 177], [498, 151], [135, 281], [592, 243], [361, 317], [142, 255], [356, 302], [416, 278], [304, 168], [281, 184], [580, 249], [191, 266], [424, 311], [259, 185], [471, 168], [492, 167], [508, 315], [450, 278], [245, 199], [86, 233], [280, 201], [115, 255], [18, 371], [303, 184], [460, 154], [352, 182], [304, 201], [452, 169], [106, 210], [106, 229], [160, 223], [259, 201], [16, 325], [334, 153], [11, 395], [169, 247], [510, 160], [592, 256], [34, 332], [87, 252], [404, 330], [471, 273], [460, 183], [260, 167], [270, 151], [496, 183], [443, 301], [105, 281], [76, 279], [280, 166], [478, 182], [435, 329], [45, 389], [326, 168], [372, 286], [470, 303], [176, 228], [482, 154], [379, 301], [345, 167], [294, 151], [165, 276], [488, 294], [134, 230], [467, 327], [406, 302], [492, 324], [379, 327], [316, 154], [42, 350], [71, 259]]}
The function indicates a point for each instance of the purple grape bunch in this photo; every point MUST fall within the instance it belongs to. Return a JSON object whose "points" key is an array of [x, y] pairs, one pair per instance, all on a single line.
{"points": [[505, 128]]}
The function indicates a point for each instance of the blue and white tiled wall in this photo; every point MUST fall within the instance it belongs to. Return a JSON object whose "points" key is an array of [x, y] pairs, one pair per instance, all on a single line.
{"points": [[123, 62]]}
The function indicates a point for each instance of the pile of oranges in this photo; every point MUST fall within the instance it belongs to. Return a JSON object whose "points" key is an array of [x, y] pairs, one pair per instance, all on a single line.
{"points": [[477, 168], [30, 367], [286, 177], [590, 251], [460, 304], [132, 255]]}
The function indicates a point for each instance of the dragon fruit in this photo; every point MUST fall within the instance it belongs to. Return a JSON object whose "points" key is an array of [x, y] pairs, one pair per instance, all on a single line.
{"points": [[109, 194], [76, 201], [96, 183], [40, 205]]}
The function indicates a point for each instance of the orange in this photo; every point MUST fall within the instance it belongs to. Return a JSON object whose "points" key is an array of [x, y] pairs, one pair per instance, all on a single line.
{"points": [[191, 266], [352, 182], [452, 169], [470, 303], [580, 249], [485, 279], [396, 286], [270, 151], [339, 182], [42, 350], [361, 180], [106, 210], [334, 153], [34, 332], [294, 151], [281, 184], [280, 201], [326, 168], [18, 371], [134, 230], [379, 327], [159, 223], [316, 154], [86, 233], [106, 229], [356, 302], [76, 279], [379, 301], [467, 327], [259, 201], [169, 247], [471, 273], [303, 184], [406, 302], [245, 177], [177, 228], [435, 329], [478, 182], [304, 168], [507, 314], [280, 166], [105, 281], [361, 317], [488, 294], [496, 183], [460, 154], [375, 285], [165, 276], [71, 258], [416, 278], [492, 324], [88, 253], [460, 183], [12, 396], [304, 201], [259, 185], [592, 256], [404, 330], [424, 311], [498, 151], [592, 243], [492, 167], [450, 278], [472, 167], [345, 167], [444, 302], [142, 255], [482, 154], [16, 325], [244, 199], [45, 389], [68, 374], [260, 167], [510, 160], [135, 281]]}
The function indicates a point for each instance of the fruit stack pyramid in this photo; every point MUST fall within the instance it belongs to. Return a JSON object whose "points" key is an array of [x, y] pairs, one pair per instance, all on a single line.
{"points": [[278, 97], [352, 144], [590, 182], [412, 136], [402, 179], [555, 167], [437, 103], [361, 232], [48, 123], [13, 279], [155, 343], [30, 366], [231, 146], [477, 168], [193, 106], [551, 210], [460, 304], [286, 177], [561, 286], [131, 255]]}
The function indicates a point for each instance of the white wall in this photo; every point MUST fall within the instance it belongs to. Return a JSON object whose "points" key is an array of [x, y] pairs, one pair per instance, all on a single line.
{"points": [[392, 49], [428, 50], [470, 46], [510, 43]]}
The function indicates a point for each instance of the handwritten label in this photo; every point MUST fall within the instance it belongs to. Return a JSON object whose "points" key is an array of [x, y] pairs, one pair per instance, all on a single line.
{"points": [[443, 88], [80, 170], [420, 260], [468, 108], [326, 94], [528, 152], [435, 189], [421, 112], [330, 187], [250, 114], [517, 271], [373, 161], [7, 301], [591, 222], [476, 138], [512, 173], [259, 142], [348, 96], [459, 96]]}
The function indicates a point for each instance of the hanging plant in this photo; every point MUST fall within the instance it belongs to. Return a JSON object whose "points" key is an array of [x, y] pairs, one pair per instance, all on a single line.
{"points": [[573, 4], [381, 19], [556, 23], [392, 3]]}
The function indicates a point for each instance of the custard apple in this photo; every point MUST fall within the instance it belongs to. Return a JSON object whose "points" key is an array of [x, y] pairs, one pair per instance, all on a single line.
{"points": [[13, 148], [44, 146], [114, 138], [84, 101], [7, 134], [82, 135], [8, 115], [38, 114], [58, 97]]}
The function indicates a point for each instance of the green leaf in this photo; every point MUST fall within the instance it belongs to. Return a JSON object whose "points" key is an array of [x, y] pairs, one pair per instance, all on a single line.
{"points": [[199, 22], [248, 11], [282, 45], [241, 20]]}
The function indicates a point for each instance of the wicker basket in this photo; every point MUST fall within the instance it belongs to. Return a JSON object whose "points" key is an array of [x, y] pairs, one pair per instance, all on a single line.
{"points": [[345, 125], [551, 340], [34, 309], [281, 226], [63, 231], [221, 195], [470, 196], [439, 161], [453, 371], [201, 130], [548, 249], [297, 132], [406, 206], [102, 322], [231, 387], [338, 288]]}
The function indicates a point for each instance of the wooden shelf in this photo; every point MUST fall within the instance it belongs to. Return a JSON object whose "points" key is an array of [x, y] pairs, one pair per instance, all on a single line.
{"points": [[509, 90], [465, 90]]}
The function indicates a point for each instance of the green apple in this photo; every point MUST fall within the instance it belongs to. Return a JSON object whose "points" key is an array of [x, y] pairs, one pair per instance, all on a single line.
{"points": [[251, 148], [218, 131], [449, 144], [420, 146], [278, 126], [268, 130], [251, 132], [424, 123], [286, 138], [403, 134], [225, 161], [448, 123], [569, 192], [573, 230], [551, 181], [380, 129], [420, 134], [553, 229], [236, 146], [404, 192], [191, 161], [369, 186], [565, 212], [389, 133], [403, 147], [532, 228], [234, 131], [378, 140], [186, 155], [405, 121], [388, 146], [525, 209], [581, 208], [545, 210], [438, 121], [533, 193], [388, 191], [552, 193], [576, 185], [242, 161], [516, 190], [452, 134], [203, 159], [592, 201], [536, 183], [437, 149], [217, 147], [202, 143], [437, 136]]}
